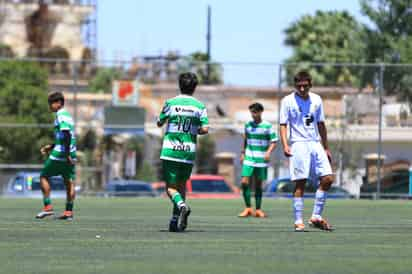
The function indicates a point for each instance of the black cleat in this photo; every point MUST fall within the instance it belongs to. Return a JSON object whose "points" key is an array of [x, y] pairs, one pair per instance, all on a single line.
{"points": [[184, 213], [173, 225]]}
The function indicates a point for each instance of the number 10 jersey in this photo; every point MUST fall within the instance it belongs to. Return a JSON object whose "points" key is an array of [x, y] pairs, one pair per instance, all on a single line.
{"points": [[185, 115]]}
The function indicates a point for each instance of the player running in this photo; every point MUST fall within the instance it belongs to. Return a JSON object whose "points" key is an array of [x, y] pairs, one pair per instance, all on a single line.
{"points": [[61, 160], [259, 142], [186, 118], [308, 152]]}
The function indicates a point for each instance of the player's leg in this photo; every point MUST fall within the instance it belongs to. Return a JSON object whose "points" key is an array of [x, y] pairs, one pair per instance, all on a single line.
{"points": [[46, 172], [324, 171], [247, 172], [260, 177], [184, 211], [68, 172], [173, 177], [299, 168]]}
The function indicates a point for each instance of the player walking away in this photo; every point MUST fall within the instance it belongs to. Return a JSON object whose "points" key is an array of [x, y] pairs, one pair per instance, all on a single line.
{"points": [[309, 155], [259, 142], [186, 118], [61, 159]]}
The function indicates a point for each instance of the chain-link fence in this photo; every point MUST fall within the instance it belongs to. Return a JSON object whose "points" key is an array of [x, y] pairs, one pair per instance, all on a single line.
{"points": [[367, 108]]}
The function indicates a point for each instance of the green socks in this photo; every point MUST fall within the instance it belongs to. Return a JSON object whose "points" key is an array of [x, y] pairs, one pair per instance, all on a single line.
{"points": [[177, 199], [46, 201], [246, 194], [69, 206], [258, 197]]}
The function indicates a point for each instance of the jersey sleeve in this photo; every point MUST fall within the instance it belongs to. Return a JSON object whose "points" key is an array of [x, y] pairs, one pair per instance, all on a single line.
{"points": [[320, 115], [165, 114], [204, 120], [63, 123], [272, 135], [283, 113]]}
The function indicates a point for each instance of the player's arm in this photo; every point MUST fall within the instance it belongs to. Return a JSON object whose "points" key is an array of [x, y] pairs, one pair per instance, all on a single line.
{"points": [[273, 141], [66, 144], [242, 153], [324, 138], [204, 123], [44, 150], [164, 115], [284, 140]]}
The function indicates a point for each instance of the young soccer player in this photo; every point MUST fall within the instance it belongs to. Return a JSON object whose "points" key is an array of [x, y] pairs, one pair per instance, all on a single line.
{"points": [[61, 160], [308, 152], [186, 118], [259, 142]]}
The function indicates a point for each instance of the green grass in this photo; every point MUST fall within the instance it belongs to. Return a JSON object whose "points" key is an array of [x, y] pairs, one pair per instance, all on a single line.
{"points": [[370, 237]]}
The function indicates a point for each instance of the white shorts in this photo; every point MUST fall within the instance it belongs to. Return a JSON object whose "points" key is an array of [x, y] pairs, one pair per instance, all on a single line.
{"points": [[308, 161]]}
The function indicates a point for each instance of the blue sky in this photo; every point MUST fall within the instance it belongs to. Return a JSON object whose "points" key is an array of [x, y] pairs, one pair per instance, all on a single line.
{"points": [[243, 31]]}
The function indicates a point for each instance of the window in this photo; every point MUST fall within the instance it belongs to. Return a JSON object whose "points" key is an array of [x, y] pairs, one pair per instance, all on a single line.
{"points": [[210, 186]]}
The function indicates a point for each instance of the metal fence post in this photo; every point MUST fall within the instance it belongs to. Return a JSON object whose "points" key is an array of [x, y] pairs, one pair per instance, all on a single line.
{"points": [[280, 70], [380, 90], [75, 89]]}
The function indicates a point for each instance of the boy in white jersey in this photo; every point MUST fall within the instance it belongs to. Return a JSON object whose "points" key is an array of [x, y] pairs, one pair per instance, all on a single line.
{"points": [[308, 153], [259, 142], [186, 118], [61, 160]]}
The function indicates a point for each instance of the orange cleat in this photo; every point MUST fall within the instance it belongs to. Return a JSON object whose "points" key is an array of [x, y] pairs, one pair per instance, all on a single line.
{"points": [[260, 214], [67, 215], [246, 212], [300, 227], [46, 211], [322, 224]]}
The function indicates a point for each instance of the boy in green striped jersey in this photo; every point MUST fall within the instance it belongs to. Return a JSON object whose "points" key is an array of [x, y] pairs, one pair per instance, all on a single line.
{"points": [[186, 118], [61, 160], [260, 141]]}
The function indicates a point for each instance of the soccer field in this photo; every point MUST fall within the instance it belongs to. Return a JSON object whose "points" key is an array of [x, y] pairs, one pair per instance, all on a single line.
{"points": [[370, 237]]}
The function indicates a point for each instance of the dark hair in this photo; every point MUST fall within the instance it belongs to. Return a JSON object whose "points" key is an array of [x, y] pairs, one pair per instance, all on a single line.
{"points": [[256, 107], [187, 82], [56, 96], [303, 76]]}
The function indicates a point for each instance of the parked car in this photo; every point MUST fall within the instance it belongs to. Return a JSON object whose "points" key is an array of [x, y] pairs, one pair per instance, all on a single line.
{"points": [[283, 187], [26, 184], [128, 188], [205, 186]]}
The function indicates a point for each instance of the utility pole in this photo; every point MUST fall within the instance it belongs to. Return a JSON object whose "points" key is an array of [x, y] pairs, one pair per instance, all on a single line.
{"points": [[208, 42]]}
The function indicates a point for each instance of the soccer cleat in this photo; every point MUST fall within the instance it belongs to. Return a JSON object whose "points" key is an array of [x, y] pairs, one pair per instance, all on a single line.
{"points": [[46, 211], [260, 214], [67, 215], [173, 225], [246, 212], [322, 224], [184, 213], [300, 227]]}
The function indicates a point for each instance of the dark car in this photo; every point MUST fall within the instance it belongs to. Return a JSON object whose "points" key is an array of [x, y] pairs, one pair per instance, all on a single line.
{"points": [[26, 184], [284, 187], [205, 186], [129, 188]]}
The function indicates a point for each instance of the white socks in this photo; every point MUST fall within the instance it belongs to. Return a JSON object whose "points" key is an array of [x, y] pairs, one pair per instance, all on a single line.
{"points": [[320, 200], [298, 209]]}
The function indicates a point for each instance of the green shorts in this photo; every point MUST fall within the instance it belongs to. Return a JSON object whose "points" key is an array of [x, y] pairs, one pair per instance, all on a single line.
{"points": [[176, 172], [260, 173], [55, 168]]}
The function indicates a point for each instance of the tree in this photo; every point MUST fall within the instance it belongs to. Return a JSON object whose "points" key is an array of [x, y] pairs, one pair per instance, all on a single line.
{"points": [[197, 63], [205, 155], [102, 81], [23, 99], [326, 37], [390, 41]]}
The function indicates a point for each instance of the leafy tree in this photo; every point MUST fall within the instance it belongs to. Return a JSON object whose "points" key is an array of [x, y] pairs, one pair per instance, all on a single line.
{"points": [[326, 37], [197, 63], [390, 41], [23, 99], [102, 82], [205, 155]]}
